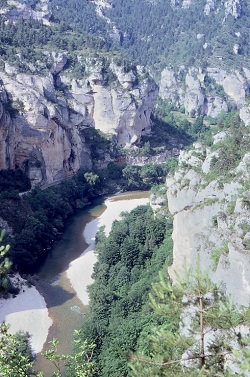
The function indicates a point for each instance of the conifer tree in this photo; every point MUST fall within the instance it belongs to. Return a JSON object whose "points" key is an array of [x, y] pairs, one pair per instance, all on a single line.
{"points": [[201, 330]]}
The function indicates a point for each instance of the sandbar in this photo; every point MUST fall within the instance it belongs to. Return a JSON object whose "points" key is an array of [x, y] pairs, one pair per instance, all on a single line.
{"points": [[81, 269], [27, 312]]}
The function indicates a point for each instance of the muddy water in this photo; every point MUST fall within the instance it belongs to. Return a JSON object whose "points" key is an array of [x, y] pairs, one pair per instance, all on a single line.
{"points": [[65, 308]]}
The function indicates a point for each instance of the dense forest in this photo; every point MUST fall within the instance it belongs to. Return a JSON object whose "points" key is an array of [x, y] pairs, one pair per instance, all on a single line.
{"points": [[143, 41], [75, 25], [24, 42], [128, 262]]}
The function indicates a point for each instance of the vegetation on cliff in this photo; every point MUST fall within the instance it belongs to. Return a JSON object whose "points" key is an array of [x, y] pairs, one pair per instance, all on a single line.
{"points": [[35, 40], [77, 24], [16, 359], [185, 41]]}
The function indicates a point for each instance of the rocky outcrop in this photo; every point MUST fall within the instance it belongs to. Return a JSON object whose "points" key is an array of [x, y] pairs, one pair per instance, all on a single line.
{"points": [[245, 114], [171, 87], [194, 98], [209, 7], [204, 91], [231, 7], [211, 223], [13, 10], [43, 135]]}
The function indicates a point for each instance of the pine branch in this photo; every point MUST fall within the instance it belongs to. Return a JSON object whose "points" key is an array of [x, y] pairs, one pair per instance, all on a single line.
{"points": [[135, 359]]}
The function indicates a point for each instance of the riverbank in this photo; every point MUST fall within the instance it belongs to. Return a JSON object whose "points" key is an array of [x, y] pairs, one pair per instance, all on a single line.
{"points": [[27, 312], [80, 270]]}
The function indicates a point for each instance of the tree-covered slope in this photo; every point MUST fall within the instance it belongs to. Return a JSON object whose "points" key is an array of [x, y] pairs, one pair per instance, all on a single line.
{"points": [[160, 33], [129, 259]]}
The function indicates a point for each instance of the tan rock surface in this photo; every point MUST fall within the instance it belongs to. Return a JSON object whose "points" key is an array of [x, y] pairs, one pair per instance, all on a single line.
{"points": [[43, 136]]}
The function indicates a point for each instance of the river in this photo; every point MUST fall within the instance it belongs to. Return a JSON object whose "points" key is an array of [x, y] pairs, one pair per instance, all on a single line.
{"points": [[63, 278]]}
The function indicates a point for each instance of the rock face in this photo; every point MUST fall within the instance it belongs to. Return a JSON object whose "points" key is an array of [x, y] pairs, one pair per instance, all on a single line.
{"points": [[232, 7], [13, 10], [245, 114], [204, 91], [211, 221], [41, 117]]}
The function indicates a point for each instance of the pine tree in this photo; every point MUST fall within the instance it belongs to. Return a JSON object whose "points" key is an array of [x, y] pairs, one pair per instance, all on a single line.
{"points": [[200, 332]]}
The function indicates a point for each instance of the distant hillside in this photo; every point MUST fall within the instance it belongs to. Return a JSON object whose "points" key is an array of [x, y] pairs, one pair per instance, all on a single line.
{"points": [[159, 32], [155, 33]]}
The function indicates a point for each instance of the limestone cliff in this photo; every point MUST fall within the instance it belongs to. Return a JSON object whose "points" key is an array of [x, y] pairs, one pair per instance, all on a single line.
{"points": [[42, 115], [12, 10], [230, 7], [205, 91], [211, 219]]}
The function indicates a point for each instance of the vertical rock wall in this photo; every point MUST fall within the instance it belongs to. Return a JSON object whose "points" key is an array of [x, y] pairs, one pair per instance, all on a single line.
{"points": [[210, 223], [41, 116]]}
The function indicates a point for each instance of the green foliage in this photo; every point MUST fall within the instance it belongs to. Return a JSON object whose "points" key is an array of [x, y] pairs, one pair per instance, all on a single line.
{"points": [[26, 42], [217, 253], [16, 359], [173, 127], [91, 178], [245, 226], [39, 217], [79, 364], [14, 180], [5, 265], [229, 150], [145, 176], [99, 144], [245, 200], [233, 148], [192, 309], [164, 130], [76, 25], [231, 207], [143, 40], [243, 366], [128, 261], [15, 355]]}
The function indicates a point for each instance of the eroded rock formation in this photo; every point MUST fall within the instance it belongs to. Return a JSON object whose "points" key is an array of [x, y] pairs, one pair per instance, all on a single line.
{"points": [[230, 7], [204, 91], [42, 116]]}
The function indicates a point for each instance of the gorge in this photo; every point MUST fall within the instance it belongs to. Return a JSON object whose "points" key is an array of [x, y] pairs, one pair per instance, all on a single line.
{"points": [[78, 121]]}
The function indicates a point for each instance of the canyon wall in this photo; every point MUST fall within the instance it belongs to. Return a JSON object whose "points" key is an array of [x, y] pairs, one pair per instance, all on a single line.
{"points": [[211, 222], [42, 115], [205, 91]]}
